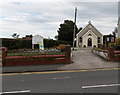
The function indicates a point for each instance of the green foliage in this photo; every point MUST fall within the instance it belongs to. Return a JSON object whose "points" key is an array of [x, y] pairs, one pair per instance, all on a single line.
{"points": [[112, 45], [27, 43], [99, 49], [48, 43], [61, 47], [35, 53], [56, 37], [95, 48], [65, 32], [118, 42], [115, 45], [30, 36], [15, 35], [17, 43]]}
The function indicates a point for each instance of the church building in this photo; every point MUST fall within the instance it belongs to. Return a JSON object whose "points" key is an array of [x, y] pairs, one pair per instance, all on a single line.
{"points": [[89, 37]]}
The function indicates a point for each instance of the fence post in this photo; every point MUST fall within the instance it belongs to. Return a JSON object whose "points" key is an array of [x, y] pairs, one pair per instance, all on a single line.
{"points": [[111, 54], [3, 51], [68, 53]]}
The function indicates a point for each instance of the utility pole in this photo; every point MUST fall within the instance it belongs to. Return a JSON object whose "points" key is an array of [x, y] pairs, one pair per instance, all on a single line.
{"points": [[74, 27]]}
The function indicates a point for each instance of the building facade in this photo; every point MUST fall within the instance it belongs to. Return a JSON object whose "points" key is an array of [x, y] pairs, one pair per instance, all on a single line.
{"points": [[89, 37], [117, 29]]}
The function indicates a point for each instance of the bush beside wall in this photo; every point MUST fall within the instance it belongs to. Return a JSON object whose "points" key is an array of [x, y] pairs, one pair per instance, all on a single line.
{"points": [[115, 45]]}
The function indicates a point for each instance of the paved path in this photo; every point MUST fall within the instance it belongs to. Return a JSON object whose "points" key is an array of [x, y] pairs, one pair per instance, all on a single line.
{"points": [[83, 58], [30, 68]]}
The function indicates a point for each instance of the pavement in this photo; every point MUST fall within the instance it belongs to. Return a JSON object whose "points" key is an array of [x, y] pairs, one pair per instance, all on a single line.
{"points": [[83, 58], [30, 68]]}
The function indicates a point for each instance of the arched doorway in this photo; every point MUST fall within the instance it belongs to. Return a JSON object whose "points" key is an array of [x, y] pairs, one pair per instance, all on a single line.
{"points": [[89, 42]]}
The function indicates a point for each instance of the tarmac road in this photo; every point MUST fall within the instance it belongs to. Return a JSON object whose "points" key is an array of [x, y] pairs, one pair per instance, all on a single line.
{"points": [[81, 81]]}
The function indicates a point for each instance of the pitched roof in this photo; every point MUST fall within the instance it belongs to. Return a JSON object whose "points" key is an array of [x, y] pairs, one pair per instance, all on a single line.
{"points": [[96, 32]]}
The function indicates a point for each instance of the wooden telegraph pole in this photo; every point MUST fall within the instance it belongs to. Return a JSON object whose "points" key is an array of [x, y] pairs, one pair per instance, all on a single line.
{"points": [[74, 27]]}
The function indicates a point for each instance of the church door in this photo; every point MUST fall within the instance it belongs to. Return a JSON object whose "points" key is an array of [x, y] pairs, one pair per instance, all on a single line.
{"points": [[89, 42]]}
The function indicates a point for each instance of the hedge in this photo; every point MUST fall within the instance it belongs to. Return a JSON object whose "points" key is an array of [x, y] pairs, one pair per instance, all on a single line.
{"points": [[27, 43], [17, 43], [115, 45]]}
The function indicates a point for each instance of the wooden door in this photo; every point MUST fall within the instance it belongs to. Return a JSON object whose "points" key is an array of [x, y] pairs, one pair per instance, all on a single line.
{"points": [[89, 42]]}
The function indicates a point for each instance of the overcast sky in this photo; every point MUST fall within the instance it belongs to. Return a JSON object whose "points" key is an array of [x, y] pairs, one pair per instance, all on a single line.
{"points": [[44, 18]]}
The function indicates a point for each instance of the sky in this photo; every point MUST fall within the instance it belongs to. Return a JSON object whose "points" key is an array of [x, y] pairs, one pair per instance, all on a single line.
{"points": [[44, 17]]}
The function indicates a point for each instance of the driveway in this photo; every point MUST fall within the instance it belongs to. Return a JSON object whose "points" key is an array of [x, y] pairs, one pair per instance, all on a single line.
{"points": [[83, 58]]}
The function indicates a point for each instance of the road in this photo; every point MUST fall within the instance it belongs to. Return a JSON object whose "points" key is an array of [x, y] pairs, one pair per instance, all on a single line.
{"points": [[79, 81]]}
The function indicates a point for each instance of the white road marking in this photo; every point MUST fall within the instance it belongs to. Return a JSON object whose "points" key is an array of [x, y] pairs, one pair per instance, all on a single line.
{"points": [[10, 92], [61, 78], [96, 86], [54, 78]]}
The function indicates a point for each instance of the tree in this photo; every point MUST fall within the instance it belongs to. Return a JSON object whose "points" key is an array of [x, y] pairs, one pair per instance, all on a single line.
{"points": [[15, 35], [56, 37], [65, 32], [29, 36], [79, 29]]}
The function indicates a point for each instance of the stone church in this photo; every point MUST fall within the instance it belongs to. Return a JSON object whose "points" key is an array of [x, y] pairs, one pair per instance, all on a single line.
{"points": [[89, 37]]}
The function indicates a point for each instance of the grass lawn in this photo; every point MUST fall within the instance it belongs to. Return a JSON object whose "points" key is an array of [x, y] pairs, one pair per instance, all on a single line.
{"points": [[36, 53], [99, 49]]}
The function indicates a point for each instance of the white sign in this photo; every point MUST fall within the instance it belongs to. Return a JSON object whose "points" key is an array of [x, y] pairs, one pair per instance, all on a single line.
{"points": [[108, 39], [37, 39], [112, 39]]}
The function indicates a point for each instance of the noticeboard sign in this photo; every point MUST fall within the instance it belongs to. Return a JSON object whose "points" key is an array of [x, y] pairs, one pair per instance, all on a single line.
{"points": [[37, 39]]}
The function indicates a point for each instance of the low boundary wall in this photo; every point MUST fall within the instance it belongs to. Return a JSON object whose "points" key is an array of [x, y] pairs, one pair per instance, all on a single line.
{"points": [[110, 55], [101, 53], [37, 60]]}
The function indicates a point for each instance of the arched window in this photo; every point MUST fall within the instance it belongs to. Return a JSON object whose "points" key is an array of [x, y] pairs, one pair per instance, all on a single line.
{"points": [[98, 39], [80, 39]]}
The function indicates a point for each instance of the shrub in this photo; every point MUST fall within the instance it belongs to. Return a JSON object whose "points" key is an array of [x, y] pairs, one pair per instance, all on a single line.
{"points": [[49, 43], [112, 45], [61, 47], [99, 49], [117, 42], [17, 43], [115, 45]]}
